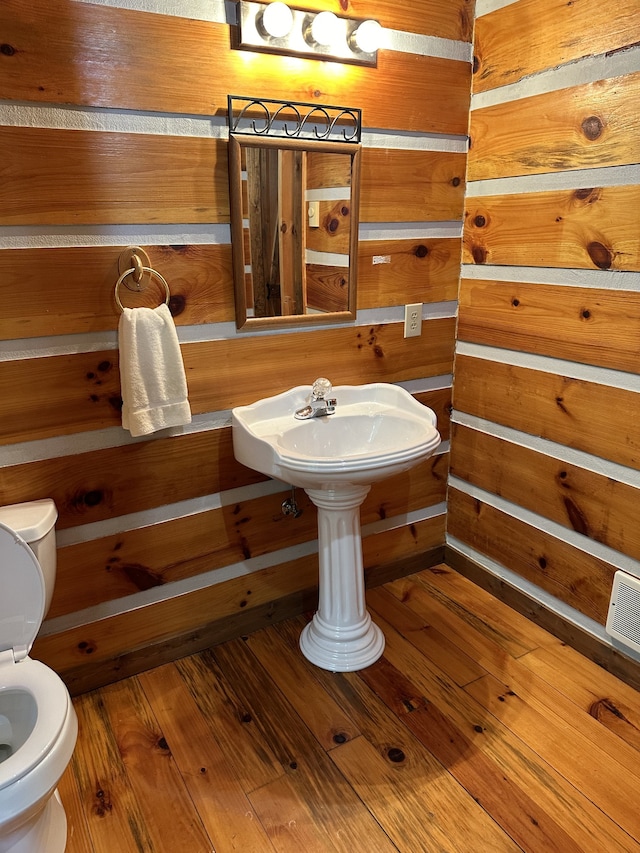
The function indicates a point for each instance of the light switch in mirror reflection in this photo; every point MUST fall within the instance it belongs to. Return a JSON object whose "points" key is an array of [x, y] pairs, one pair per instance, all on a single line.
{"points": [[294, 229]]}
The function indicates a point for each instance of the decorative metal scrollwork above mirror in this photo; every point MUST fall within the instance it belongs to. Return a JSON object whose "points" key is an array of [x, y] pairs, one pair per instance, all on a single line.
{"points": [[294, 192]]}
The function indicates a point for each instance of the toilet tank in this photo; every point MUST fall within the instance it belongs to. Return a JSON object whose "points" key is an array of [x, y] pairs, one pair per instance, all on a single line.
{"points": [[34, 521]]}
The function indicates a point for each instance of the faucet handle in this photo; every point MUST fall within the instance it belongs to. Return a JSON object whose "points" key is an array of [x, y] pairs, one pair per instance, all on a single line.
{"points": [[321, 388]]}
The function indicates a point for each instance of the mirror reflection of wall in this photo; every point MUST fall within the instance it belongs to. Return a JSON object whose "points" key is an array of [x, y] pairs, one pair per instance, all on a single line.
{"points": [[294, 220]]}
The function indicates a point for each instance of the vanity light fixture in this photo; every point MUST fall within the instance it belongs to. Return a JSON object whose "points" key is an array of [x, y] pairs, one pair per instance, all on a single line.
{"points": [[278, 28]]}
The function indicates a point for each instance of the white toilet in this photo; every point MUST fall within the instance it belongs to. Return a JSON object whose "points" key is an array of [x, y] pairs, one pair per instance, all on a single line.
{"points": [[38, 725]]}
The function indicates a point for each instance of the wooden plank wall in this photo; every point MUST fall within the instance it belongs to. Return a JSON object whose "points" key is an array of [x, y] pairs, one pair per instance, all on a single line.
{"points": [[545, 467], [113, 133]]}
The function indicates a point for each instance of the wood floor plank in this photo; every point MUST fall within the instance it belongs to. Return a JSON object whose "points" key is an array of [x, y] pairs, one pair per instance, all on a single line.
{"points": [[561, 745], [480, 641], [613, 703], [210, 778], [388, 757], [171, 819], [327, 721], [78, 838], [113, 814], [435, 814], [589, 828], [531, 688], [254, 763], [292, 829], [425, 636], [505, 799], [480, 608], [318, 784]]}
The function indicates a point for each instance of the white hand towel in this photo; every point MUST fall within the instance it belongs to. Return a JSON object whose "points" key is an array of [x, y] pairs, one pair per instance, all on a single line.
{"points": [[152, 377]]}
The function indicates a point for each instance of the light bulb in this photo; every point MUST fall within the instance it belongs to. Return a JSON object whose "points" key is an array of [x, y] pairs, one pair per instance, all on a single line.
{"points": [[323, 28], [368, 36], [277, 19]]}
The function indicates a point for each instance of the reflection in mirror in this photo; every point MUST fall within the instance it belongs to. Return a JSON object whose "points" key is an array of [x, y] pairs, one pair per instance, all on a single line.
{"points": [[294, 220]]}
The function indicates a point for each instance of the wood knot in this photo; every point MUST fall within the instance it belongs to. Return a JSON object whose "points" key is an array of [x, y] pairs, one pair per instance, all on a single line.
{"points": [[86, 647], [601, 256], [455, 181], [476, 65], [480, 221], [396, 755], [333, 225], [177, 304], [479, 254], [592, 127], [588, 194], [421, 251], [7, 49]]}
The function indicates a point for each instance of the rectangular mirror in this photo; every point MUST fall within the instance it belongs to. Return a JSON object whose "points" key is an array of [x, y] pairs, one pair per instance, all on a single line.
{"points": [[294, 230]]}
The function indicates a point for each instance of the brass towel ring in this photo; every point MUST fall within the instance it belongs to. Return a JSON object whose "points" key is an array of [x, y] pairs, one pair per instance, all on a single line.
{"points": [[138, 271]]}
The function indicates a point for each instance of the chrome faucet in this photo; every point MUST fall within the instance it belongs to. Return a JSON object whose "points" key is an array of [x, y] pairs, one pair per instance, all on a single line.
{"points": [[320, 404]]}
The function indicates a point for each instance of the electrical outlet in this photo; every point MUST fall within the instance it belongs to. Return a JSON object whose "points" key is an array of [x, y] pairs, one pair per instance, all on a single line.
{"points": [[413, 320], [314, 214]]}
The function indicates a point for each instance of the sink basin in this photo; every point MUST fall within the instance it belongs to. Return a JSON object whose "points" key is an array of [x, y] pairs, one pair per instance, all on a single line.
{"points": [[376, 431]]}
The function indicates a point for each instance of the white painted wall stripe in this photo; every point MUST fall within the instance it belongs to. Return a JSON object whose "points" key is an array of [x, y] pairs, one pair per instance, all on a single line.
{"points": [[560, 367], [590, 69], [68, 236], [102, 439], [601, 279], [552, 528], [567, 455], [609, 176], [20, 349]]}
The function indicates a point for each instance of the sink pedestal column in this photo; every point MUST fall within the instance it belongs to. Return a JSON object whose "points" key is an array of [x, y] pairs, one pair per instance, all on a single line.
{"points": [[341, 637]]}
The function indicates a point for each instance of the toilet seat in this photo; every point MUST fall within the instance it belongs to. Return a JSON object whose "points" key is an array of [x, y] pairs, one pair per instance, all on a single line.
{"points": [[22, 598], [52, 700]]}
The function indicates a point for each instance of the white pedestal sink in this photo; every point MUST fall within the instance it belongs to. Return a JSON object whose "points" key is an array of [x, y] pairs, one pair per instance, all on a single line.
{"points": [[376, 431]]}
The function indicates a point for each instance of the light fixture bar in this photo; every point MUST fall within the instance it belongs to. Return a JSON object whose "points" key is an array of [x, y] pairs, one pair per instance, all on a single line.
{"points": [[303, 39]]}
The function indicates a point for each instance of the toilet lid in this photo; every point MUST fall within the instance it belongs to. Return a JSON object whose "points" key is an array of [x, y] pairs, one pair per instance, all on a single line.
{"points": [[21, 594]]}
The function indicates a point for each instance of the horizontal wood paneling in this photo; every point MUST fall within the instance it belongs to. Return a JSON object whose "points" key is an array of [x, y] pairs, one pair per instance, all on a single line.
{"points": [[392, 272], [106, 639], [575, 577], [117, 177], [569, 411], [531, 35], [145, 178], [590, 228], [592, 504], [587, 325], [66, 52], [70, 393], [411, 186], [113, 481], [100, 484], [71, 290], [129, 561], [586, 126], [80, 281]]}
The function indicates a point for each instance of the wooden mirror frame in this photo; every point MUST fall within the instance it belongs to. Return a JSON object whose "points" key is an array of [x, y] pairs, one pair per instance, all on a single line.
{"points": [[236, 144]]}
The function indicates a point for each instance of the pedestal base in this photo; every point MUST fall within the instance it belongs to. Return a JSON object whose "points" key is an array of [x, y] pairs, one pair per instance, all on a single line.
{"points": [[341, 651], [341, 637]]}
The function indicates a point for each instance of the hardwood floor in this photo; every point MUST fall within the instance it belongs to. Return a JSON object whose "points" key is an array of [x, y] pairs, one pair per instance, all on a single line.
{"points": [[477, 732]]}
